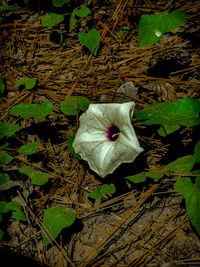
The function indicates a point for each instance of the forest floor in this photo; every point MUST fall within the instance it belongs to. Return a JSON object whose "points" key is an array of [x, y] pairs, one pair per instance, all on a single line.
{"points": [[145, 225]]}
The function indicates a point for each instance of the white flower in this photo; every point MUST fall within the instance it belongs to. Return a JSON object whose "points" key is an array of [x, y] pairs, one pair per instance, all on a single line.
{"points": [[106, 137]]}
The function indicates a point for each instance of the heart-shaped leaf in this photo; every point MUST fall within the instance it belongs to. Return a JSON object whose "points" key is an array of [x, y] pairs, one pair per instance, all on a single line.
{"points": [[191, 192], [152, 27], [8, 129], [60, 3], [29, 149], [7, 8], [185, 112], [4, 178], [90, 40], [5, 158], [37, 177], [29, 83], [37, 111], [141, 177], [51, 19], [73, 104], [82, 12], [55, 220], [103, 190]]}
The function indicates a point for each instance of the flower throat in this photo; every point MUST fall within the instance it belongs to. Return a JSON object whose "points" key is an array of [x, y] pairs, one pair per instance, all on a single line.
{"points": [[112, 133]]}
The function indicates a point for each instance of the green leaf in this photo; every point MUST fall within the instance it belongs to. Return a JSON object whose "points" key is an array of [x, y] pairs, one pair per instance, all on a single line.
{"points": [[2, 85], [121, 32], [37, 177], [106, 189], [13, 205], [154, 175], [51, 19], [8, 129], [103, 190], [141, 177], [4, 207], [70, 147], [1, 234], [4, 178], [4, 146], [19, 215], [29, 148], [186, 163], [181, 165], [37, 111], [185, 112], [72, 21], [90, 40], [5, 158], [137, 178], [191, 192], [196, 156], [166, 129], [88, 2], [152, 27], [73, 104], [55, 220], [26, 2], [7, 8], [82, 12], [17, 212], [60, 3], [29, 83]]}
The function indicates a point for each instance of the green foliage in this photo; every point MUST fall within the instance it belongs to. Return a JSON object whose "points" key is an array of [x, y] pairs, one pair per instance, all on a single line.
{"points": [[180, 165], [196, 156], [70, 147], [191, 192], [29, 83], [122, 31], [4, 146], [5, 158], [141, 177], [7, 129], [82, 12], [72, 21], [3, 207], [60, 3], [37, 177], [51, 19], [103, 190], [55, 220], [7, 8], [2, 85], [185, 112], [29, 148], [16, 212], [37, 111], [73, 104], [26, 2], [185, 163], [88, 2], [152, 27], [1, 234], [4, 178], [90, 40]]}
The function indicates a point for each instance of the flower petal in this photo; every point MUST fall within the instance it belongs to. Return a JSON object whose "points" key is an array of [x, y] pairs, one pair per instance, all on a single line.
{"points": [[91, 143]]}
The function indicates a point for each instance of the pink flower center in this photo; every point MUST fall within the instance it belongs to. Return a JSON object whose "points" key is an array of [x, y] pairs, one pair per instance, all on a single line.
{"points": [[112, 133]]}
